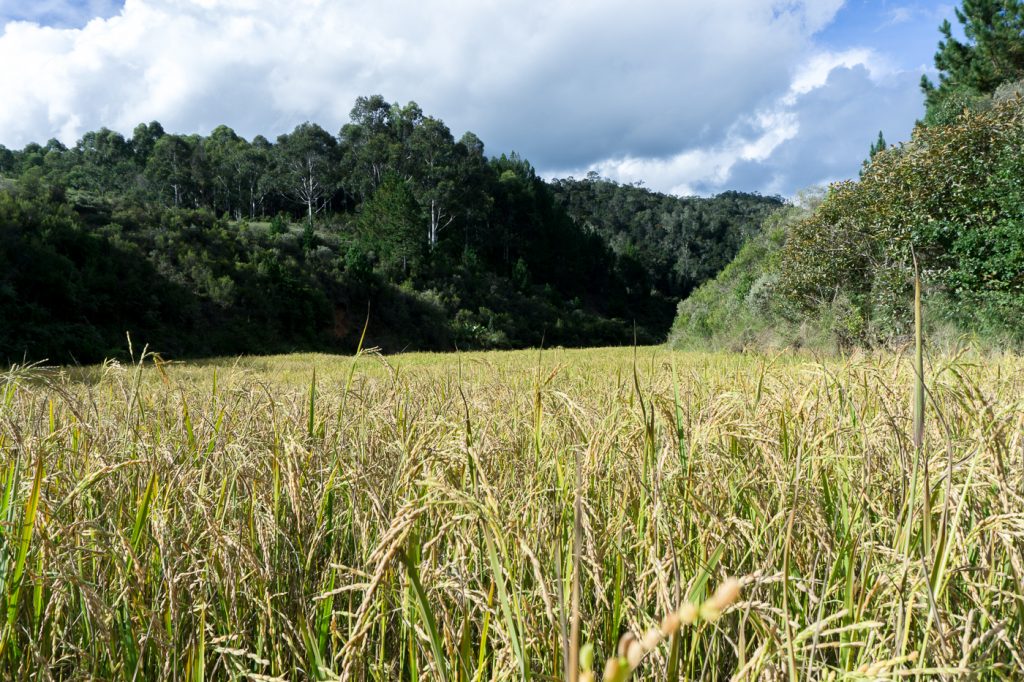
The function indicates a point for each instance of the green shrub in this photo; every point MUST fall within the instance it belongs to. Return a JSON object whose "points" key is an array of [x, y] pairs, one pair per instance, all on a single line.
{"points": [[953, 193]]}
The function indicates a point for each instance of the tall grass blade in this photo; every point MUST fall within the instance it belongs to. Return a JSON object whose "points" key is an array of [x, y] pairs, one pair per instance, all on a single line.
{"points": [[918, 360], [426, 614], [311, 425], [28, 523], [504, 601], [142, 515], [577, 567]]}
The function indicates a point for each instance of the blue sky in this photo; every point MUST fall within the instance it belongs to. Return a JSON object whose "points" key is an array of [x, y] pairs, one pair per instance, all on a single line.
{"points": [[58, 13], [694, 96], [907, 30]]}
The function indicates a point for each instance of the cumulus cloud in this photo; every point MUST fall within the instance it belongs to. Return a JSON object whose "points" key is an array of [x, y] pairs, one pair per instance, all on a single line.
{"points": [[815, 133], [837, 123], [680, 95]]}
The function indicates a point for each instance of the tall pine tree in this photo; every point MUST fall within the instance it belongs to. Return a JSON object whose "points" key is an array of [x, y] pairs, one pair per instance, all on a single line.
{"points": [[991, 54], [879, 145]]}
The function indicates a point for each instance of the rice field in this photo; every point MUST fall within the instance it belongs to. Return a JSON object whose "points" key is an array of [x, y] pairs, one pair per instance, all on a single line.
{"points": [[555, 515]]}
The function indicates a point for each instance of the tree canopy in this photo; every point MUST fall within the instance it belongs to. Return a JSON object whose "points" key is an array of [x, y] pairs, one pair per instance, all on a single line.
{"points": [[991, 54], [211, 244]]}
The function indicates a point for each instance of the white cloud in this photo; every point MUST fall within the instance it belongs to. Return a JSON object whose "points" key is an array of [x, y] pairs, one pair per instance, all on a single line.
{"points": [[680, 95], [814, 72], [816, 132], [557, 79], [752, 139]]}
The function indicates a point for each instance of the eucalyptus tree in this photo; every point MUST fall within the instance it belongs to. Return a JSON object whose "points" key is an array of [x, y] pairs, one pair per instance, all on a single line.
{"points": [[374, 144], [227, 154], [104, 161], [399, 142], [169, 168], [144, 139], [305, 166], [436, 179], [253, 169]]}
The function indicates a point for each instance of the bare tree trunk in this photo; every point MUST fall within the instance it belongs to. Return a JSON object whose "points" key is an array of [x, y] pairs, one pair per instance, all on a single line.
{"points": [[438, 221]]}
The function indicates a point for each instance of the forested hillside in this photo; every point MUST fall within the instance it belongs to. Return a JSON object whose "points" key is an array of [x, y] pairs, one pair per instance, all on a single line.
{"points": [[670, 244], [842, 274], [203, 245]]}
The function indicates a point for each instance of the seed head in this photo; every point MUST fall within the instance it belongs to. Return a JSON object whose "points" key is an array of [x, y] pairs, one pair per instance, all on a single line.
{"points": [[635, 654], [587, 658], [726, 594], [624, 643]]}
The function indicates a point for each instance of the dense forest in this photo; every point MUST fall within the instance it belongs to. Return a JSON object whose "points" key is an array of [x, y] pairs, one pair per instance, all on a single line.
{"points": [[664, 243], [838, 271], [206, 245]]}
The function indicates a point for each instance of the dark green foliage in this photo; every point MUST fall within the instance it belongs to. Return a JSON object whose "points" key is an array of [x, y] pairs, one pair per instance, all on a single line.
{"points": [[144, 138], [388, 222], [992, 54], [6, 160], [65, 291], [669, 244], [877, 146], [663, 246], [167, 237]]}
